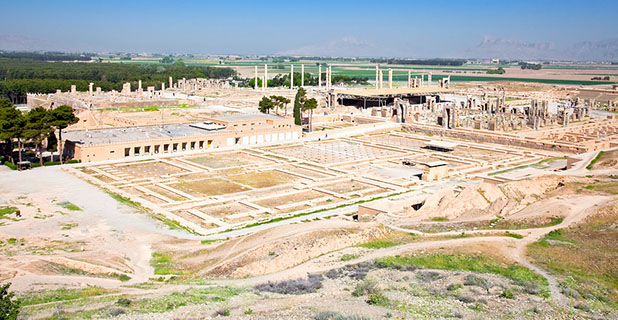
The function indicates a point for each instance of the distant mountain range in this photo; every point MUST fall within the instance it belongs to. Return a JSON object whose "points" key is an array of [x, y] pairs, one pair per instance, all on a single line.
{"points": [[511, 49]]}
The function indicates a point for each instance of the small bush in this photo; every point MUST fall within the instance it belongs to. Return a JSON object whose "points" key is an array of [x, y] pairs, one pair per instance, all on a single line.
{"points": [[10, 165], [249, 311], [583, 307], [454, 286], [124, 277], [334, 315], [296, 286], [466, 299], [513, 235], [123, 302], [224, 312], [114, 312], [368, 286], [378, 299], [571, 293], [508, 294], [472, 280]]}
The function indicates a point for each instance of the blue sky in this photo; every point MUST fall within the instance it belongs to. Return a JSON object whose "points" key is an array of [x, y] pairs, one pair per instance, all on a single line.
{"points": [[380, 28]]}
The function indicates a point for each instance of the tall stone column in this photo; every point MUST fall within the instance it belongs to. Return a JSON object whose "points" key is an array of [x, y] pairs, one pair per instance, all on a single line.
{"points": [[265, 82], [381, 79], [330, 77], [90, 87], [162, 86], [302, 75], [291, 76], [429, 80], [255, 83], [170, 82], [390, 78], [320, 76], [377, 77]]}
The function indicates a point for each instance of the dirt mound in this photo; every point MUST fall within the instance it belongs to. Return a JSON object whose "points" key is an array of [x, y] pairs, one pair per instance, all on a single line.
{"points": [[290, 251], [485, 199], [607, 160]]}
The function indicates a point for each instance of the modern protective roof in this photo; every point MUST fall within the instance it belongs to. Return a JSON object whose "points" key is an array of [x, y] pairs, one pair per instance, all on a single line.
{"points": [[392, 91]]}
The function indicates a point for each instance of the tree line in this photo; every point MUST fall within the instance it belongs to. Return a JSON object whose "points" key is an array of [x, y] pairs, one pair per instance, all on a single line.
{"points": [[47, 56], [19, 76], [426, 62], [283, 80], [34, 127]]}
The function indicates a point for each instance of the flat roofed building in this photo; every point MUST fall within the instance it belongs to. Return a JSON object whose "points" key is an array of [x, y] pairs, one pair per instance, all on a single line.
{"points": [[238, 130]]}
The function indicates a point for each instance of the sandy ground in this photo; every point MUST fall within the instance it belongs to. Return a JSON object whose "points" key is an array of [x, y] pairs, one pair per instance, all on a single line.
{"points": [[105, 235]]}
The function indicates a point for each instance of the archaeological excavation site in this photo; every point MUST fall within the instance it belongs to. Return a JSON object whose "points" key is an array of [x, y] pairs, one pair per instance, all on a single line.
{"points": [[366, 177]]}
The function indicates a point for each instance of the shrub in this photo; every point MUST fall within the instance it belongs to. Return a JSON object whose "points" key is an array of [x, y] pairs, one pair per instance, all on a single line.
{"points": [[454, 286], [466, 299], [378, 299], [249, 311], [368, 286], [583, 307], [9, 307], [225, 312], [10, 165], [472, 280], [123, 302], [114, 312], [295, 286], [507, 293], [334, 315]]}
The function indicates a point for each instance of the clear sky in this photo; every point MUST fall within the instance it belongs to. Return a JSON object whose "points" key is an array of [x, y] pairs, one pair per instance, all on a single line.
{"points": [[379, 28]]}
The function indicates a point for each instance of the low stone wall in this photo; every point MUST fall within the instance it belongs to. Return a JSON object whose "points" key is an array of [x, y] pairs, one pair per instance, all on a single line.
{"points": [[500, 138]]}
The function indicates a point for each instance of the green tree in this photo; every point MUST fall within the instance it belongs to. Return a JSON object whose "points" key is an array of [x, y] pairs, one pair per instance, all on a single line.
{"points": [[9, 126], [38, 128], [9, 307], [60, 118], [265, 105], [310, 105], [299, 100], [281, 102]]}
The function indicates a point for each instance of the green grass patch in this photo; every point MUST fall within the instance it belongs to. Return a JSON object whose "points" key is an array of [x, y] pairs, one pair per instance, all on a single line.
{"points": [[46, 296], [348, 257], [513, 235], [5, 211], [460, 262], [589, 166], [439, 219], [69, 206], [162, 264], [378, 244], [507, 170]]}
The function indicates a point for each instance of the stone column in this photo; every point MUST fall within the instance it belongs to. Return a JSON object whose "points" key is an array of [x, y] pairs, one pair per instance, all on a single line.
{"points": [[265, 82], [390, 78], [162, 86], [170, 82], [429, 80], [302, 75], [320, 76], [255, 84], [73, 89], [327, 78], [381, 78], [90, 87], [98, 90], [377, 77], [291, 76]]}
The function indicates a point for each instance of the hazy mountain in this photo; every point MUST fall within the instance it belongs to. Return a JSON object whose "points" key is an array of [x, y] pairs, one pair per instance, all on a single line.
{"points": [[340, 47], [501, 48], [605, 50]]}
